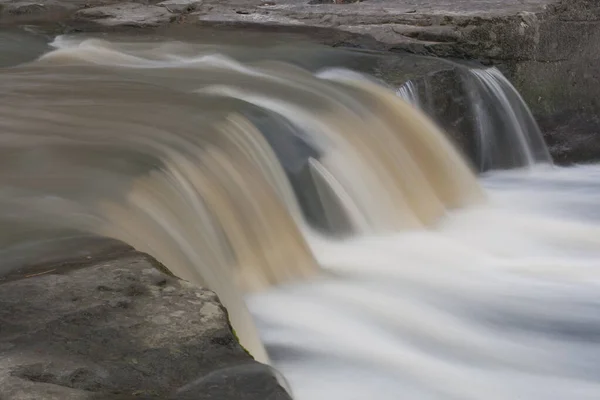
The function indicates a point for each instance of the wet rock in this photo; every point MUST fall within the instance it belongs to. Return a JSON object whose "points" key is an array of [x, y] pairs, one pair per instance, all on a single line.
{"points": [[313, 2], [15, 12], [573, 139], [180, 6], [118, 328], [19, 8], [127, 14]]}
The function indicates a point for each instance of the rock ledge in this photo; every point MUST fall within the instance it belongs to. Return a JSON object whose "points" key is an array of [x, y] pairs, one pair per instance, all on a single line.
{"points": [[121, 329]]}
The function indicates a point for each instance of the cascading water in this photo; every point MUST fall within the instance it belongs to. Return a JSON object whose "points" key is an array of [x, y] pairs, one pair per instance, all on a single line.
{"points": [[410, 93], [505, 132], [438, 289]]}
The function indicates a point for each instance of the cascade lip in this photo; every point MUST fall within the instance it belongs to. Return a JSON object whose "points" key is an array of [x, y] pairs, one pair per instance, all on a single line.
{"points": [[59, 256]]}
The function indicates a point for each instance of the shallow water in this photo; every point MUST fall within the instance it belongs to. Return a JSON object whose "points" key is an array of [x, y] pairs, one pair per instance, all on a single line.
{"points": [[243, 168]]}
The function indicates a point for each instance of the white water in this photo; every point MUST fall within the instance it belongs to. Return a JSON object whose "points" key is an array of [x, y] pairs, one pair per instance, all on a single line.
{"points": [[497, 300], [409, 92], [504, 130], [507, 132]]}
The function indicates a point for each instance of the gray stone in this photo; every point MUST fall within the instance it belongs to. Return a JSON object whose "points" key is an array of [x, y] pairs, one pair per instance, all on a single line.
{"points": [[127, 14], [180, 6], [549, 49], [18, 8], [572, 137], [15, 12], [118, 328]]}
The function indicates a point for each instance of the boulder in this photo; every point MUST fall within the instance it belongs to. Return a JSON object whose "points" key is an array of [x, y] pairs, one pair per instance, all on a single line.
{"points": [[109, 324]]}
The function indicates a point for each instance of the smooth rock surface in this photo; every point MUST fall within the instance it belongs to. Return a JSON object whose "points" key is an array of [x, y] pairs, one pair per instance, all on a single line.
{"points": [[115, 327]]}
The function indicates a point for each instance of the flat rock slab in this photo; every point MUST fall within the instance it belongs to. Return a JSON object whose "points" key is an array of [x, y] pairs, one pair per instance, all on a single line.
{"points": [[375, 12], [127, 14], [322, 13], [471, 28], [180, 6], [498, 30], [118, 328]]}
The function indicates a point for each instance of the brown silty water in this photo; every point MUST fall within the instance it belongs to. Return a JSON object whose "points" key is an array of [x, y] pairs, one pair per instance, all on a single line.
{"points": [[149, 143]]}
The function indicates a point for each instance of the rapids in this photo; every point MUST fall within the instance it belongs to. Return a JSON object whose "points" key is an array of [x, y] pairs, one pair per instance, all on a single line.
{"points": [[355, 248]]}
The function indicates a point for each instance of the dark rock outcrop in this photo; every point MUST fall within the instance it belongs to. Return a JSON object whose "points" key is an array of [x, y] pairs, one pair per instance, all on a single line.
{"points": [[110, 325], [573, 137]]}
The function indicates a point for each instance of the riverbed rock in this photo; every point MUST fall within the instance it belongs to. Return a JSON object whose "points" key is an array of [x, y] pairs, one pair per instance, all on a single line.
{"points": [[112, 326], [127, 14]]}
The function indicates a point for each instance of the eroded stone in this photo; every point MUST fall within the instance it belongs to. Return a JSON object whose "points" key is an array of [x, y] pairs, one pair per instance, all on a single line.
{"points": [[120, 329], [127, 14]]}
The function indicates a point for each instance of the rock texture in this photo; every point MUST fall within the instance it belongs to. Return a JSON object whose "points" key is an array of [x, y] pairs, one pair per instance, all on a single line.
{"points": [[112, 326], [131, 14]]}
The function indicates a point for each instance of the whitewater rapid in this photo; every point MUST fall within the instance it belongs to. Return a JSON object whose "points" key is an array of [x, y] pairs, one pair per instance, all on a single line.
{"points": [[496, 302]]}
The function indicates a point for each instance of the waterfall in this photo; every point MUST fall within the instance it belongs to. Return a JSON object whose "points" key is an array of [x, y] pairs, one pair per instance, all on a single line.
{"points": [[503, 129], [410, 93], [352, 243], [508, 135], [208, 195]]}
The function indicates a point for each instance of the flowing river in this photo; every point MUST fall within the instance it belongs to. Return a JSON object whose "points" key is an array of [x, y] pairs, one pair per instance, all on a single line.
{"points": [[356, 249]]}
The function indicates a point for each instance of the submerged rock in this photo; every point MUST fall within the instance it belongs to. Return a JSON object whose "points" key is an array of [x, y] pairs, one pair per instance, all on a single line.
{"points": [[118, 328]]}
